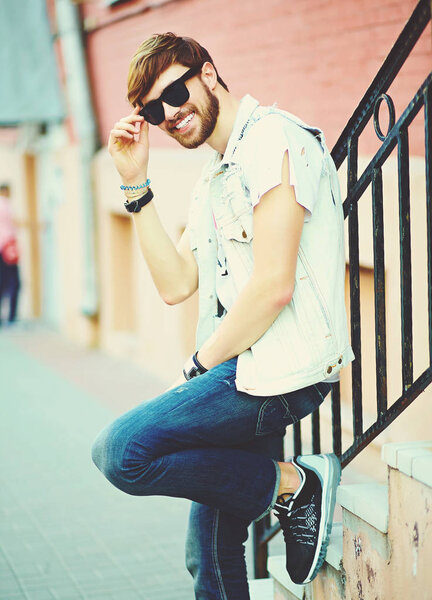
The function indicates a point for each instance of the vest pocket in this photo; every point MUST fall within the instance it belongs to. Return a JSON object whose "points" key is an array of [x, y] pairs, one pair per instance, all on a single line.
{"points": [[311, 303], [240, 228]]}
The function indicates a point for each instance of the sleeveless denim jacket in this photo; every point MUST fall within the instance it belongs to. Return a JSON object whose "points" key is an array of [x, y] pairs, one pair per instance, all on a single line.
{"points": [[308, 342]]}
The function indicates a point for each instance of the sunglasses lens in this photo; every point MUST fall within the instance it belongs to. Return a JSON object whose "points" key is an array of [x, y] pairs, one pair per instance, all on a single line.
{"points": [[153, 113], [176, 94]]}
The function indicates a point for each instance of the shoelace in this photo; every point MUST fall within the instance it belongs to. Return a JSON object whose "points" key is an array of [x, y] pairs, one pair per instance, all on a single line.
{"points": [[290, 522]]}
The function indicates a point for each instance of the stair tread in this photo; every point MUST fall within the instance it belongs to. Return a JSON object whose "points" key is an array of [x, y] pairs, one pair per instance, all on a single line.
{"points": [[335, 548], [276, 568], [261, 589], [412, 458], [368, 501]]}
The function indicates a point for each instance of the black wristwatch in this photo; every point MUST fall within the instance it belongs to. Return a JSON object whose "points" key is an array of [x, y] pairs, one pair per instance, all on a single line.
{"points": [[193, 367], [135, 206]]}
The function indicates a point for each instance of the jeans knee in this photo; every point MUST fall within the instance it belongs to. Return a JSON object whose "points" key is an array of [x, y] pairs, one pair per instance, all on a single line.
{"points": [[109, 456]]}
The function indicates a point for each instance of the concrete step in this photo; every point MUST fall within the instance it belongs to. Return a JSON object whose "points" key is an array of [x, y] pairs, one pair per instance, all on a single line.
{"points": [[367, 501], [410, 506], [413, 459], [366, 548], [382, 547], [261, 589], [284, 588]]}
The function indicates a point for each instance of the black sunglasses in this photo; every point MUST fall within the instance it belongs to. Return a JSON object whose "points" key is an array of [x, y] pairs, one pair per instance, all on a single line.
{"points": [[175, 94]]}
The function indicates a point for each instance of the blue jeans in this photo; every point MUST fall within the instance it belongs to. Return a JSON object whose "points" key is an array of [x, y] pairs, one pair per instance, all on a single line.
{"points": [[205, 441]]}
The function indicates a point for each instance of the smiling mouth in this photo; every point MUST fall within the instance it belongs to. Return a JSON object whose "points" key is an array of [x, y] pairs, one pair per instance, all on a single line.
{"points": [[181, 125]]}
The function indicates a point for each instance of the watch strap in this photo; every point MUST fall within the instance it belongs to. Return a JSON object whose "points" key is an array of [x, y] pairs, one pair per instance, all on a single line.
{"points": [[135, 206], [193, 368]]}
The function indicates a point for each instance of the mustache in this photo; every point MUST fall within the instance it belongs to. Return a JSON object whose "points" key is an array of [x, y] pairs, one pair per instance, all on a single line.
{"points": [[171, 123]]}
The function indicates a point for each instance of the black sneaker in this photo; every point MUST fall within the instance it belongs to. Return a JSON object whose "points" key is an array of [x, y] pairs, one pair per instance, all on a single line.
{"points": [[306, 517]]}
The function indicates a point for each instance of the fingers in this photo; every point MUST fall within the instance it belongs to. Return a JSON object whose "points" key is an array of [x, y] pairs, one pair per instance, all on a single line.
{"points": [[132, 128], [130, 124], [133, 117]]}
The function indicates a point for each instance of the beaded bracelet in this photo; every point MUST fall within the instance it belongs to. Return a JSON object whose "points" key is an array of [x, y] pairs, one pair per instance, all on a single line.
{"points": [[132, 188], [133, 195]]}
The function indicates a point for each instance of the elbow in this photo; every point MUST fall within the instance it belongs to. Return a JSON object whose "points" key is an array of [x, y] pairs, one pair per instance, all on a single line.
{"points": [[171, 300], [283, 296], [281, 291], [277, 288], [176, 297]]}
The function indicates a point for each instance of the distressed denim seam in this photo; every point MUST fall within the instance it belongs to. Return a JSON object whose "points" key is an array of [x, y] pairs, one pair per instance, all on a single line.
{"points": [[217, 569]]}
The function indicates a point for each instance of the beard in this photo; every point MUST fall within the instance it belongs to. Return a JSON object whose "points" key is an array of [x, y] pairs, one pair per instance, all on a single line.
{"points": [[208, 116]]}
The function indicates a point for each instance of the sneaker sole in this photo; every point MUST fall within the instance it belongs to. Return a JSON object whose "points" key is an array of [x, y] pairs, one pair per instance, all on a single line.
{"points": [[332, 475]]}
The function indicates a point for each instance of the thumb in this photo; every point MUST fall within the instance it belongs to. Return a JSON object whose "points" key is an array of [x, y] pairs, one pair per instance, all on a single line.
{"points": [[143, 133]]}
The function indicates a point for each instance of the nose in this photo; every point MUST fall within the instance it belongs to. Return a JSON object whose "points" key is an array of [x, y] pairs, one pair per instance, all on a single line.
{"points": [[170, 111]]}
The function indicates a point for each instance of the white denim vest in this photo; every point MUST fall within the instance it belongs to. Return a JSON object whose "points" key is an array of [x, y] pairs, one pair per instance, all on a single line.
{"points": [[308, 342]]}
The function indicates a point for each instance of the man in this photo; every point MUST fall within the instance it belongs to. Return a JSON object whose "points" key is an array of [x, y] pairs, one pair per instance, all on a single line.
{"points": [[9, 273], [264, 246]]}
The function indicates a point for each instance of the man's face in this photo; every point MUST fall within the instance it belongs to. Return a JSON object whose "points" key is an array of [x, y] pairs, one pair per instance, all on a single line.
{"points": [[192, 123]]}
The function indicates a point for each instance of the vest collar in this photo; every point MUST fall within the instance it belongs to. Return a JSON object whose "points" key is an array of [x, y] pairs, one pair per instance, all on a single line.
{"points": [[244, 113]]}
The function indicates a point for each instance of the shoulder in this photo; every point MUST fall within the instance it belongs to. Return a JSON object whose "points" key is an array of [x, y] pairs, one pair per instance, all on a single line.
{"points": [[278, 128]]}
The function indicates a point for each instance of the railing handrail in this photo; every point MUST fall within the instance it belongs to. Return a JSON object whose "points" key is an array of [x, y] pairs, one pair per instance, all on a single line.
{"points": [[397, 56]]}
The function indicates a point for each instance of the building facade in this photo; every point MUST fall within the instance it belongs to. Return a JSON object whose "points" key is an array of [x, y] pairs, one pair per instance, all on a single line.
{"points": [[81, 264]]}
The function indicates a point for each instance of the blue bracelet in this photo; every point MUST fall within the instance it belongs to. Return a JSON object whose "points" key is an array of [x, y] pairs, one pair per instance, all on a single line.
{"points": [[132, 188]]}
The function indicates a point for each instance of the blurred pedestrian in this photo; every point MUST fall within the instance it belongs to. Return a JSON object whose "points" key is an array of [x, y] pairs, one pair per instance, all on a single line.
{"points": [[9, 256], [264, 247]]}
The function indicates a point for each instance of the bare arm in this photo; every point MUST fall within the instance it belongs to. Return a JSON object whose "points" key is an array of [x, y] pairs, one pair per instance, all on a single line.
{"points": [[278, 224], [173, 268]]}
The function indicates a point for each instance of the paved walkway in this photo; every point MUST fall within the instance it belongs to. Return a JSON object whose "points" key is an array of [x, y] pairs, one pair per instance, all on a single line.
{"points": [[65, 532]]}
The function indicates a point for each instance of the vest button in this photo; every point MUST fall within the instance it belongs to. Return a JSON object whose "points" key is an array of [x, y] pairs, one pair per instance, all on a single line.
{"points": [[244, 234], [329, 370], [340, 360]]}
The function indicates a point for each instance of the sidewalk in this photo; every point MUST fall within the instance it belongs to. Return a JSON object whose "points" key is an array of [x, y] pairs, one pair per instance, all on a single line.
{"points": [[65, 532]]}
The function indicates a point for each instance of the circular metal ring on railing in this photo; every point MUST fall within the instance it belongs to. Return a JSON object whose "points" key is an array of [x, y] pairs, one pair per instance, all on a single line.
{"points": [[391, 110]]}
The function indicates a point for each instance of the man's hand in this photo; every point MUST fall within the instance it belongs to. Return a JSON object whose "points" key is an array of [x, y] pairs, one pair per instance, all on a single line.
{"points": [[129, 146]]}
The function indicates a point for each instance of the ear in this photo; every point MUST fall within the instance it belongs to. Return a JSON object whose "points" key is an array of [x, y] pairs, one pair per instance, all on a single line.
{"points": [[209, 75]]}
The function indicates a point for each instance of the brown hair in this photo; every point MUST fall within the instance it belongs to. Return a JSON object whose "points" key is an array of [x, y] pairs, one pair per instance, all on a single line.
{"points": [[156, 54]]}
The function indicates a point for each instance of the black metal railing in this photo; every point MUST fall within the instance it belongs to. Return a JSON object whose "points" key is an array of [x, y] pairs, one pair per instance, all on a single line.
{"points": [[347, 148]]}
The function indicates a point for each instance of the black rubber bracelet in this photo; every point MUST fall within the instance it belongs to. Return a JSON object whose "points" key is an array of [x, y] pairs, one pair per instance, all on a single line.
{"points": [[136, 205]]}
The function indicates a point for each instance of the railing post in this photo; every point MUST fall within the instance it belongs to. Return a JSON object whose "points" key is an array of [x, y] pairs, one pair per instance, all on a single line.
{"points": [[336, 419], [354, 266], [428, 155], [405, 259], [379, 291]]}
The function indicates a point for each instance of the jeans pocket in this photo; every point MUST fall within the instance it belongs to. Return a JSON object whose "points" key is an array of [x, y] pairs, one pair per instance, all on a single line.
{"points": [[277, 412], [274, 416], [305, 401]]}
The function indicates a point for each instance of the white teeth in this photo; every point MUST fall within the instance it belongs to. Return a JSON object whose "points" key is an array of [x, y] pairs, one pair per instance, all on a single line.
{"points": [[185, 121]]}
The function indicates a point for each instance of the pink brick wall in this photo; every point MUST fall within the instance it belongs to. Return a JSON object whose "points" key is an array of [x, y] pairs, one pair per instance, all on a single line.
{"points": [[315, 58]]}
